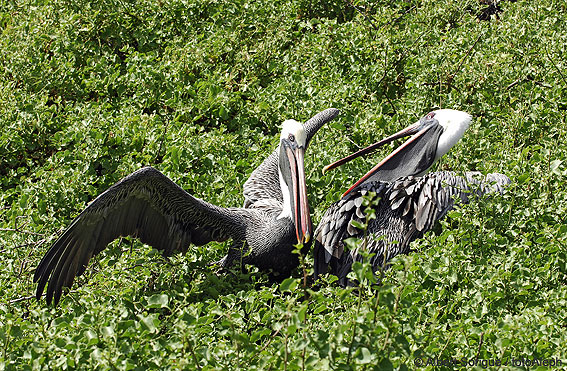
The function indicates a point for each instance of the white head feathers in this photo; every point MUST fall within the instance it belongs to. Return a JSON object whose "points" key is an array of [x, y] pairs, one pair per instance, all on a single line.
{"points": [[292, 127], [454, 123]]}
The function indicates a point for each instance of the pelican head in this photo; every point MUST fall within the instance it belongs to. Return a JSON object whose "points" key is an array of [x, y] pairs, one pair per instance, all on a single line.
{"points": [[293, 141], [432, 137], [454, 124]]}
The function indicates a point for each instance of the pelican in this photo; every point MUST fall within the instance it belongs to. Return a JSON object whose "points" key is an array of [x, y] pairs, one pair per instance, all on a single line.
{"points": [[148, 205], [409, 203], [407, 208]]}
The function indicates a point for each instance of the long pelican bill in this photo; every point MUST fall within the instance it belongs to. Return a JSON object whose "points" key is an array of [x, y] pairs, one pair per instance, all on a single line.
{"points": [[413, 157], [433, 135], [408, 131], [412, 129], [303, 226]]}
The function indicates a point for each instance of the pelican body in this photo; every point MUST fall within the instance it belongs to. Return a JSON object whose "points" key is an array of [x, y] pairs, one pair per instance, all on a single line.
{"points": [[407, 208], [148, 205], [409, 203]]}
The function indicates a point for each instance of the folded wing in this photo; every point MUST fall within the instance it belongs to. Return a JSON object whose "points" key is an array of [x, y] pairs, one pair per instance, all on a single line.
{"points": [[407, 208]]}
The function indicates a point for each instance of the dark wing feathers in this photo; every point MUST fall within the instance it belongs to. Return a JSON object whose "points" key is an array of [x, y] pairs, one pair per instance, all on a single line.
{"points": [[408, 207], [146, 205], [260, 190]]}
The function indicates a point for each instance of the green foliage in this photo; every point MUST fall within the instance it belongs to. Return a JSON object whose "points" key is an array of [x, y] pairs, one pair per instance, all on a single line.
{"points": [[91, 91]]}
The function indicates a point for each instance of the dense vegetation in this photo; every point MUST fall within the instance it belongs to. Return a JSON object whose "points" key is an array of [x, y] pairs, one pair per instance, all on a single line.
{"points": [[91, 91]]}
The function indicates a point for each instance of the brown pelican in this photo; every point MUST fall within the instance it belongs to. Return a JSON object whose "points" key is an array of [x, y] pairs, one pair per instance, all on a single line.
{"points": [[407, 208], [148, 205], [408, 205]]}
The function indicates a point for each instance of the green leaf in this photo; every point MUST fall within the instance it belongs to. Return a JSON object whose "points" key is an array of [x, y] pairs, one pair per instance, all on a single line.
{"points": [[555, 167], [358, 225], [150, 322], [364, 355], [91, 337], [289, 284], [523, 178], [158, 301]]}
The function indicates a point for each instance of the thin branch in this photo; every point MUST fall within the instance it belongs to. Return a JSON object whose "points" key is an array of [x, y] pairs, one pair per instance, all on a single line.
{"points": [[357, 145], [159, 156], [193, 354], [542, 84], [449, 81], [441, 83], [266, 345], [34, 244], [480, 344], [391, 103], [399, 60], [21, 231], [554, 65], [24, 298], [364, 14], [514, 84], [452, 76], [400, 17], [519, 81]]}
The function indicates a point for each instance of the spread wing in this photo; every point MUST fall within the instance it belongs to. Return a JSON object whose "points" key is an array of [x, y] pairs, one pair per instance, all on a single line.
{"points": [[146, 205], [262, 189], [407, 208]]}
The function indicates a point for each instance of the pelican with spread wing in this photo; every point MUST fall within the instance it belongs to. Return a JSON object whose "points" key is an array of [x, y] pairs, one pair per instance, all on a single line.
{"points": [[148, 205]]}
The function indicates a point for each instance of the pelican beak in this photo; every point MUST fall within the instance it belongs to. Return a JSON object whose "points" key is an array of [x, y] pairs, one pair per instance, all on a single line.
{"points": [[303, 226], [403, 161], [412, 129]]}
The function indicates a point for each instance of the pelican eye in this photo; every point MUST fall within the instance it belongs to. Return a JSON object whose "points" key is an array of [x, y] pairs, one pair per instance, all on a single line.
{"points": [[291, 138], [430, 115]]}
